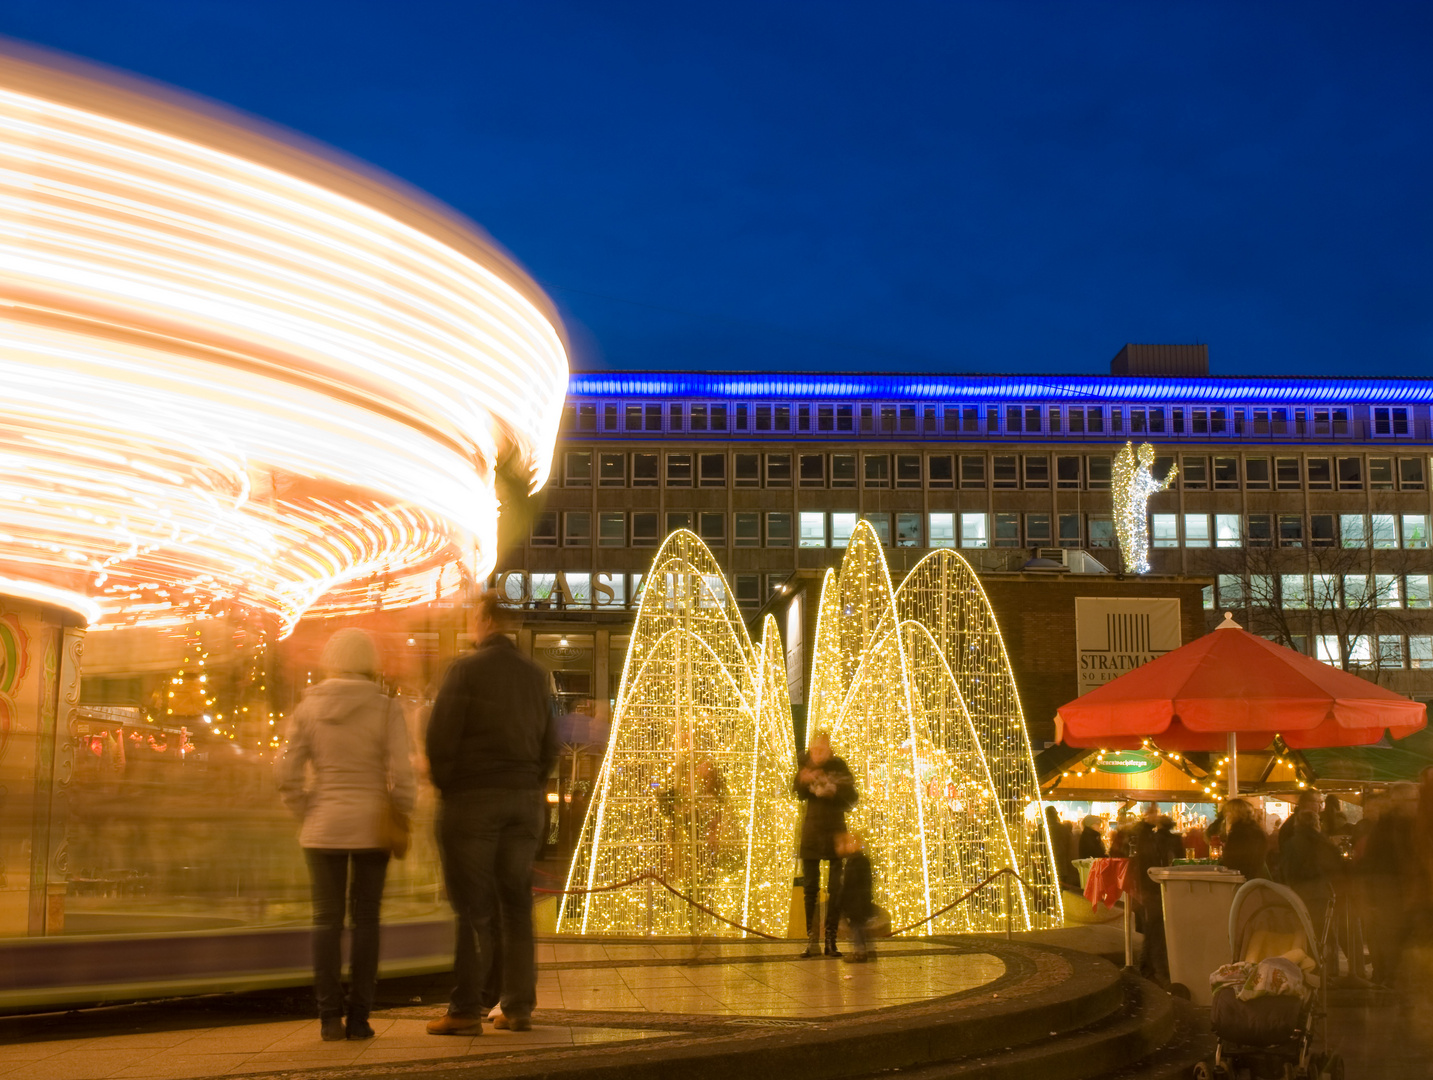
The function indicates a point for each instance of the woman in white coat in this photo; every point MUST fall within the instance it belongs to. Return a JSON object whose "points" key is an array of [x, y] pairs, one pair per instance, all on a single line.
{"points": [[345, 763]]}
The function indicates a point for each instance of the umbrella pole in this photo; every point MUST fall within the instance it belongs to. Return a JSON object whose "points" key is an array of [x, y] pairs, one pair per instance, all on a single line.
{"points": [[1233, 765]]}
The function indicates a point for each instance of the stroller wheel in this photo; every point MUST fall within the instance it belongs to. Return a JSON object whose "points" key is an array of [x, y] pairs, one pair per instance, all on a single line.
{"points": [[1202, 1071]]}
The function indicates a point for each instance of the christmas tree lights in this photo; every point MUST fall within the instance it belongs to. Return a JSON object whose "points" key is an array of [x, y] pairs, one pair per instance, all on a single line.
{"points": [[696, 782], [915, 687]]}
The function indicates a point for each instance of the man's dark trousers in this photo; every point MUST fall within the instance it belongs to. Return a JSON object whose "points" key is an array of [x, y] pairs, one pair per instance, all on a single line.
{"points": [[490, 837]]}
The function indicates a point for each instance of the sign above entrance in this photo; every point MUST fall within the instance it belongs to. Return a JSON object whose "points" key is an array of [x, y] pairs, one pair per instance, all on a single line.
{"points": [[1127, 761], [1116, 634]]}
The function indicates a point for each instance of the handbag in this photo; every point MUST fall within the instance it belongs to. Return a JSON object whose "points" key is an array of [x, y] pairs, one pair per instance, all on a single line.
{"points": [[393, 830]]}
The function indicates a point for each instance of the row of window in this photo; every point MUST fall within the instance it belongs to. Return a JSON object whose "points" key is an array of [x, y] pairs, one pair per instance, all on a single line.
{"points": [[569, 590], [1031, 472], [1326, 592], [819, 528], [916, 419]]}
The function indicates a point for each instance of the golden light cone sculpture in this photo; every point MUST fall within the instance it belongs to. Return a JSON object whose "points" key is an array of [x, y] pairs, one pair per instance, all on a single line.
{"points": [[695, 785], [916, 690]]}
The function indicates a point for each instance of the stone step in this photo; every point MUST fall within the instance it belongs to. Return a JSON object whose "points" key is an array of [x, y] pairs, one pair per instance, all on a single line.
{"points": [[1135, 1032]]}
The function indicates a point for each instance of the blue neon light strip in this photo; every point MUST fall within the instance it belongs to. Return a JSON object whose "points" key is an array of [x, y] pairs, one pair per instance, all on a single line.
{"points": [[1002, 388]]}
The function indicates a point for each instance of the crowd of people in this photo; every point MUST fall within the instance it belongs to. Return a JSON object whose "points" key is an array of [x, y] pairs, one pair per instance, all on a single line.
{"points": [[1368, 878]]}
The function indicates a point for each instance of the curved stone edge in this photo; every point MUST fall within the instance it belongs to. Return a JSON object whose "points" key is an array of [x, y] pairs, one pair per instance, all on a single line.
{"points": [[1058, 991]]}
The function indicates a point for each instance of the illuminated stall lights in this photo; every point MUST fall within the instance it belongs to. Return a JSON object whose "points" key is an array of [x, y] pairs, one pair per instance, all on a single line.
{"points": [[238, 374]]}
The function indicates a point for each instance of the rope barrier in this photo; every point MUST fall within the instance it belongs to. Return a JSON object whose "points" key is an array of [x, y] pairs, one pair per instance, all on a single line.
{"points": [[648, 875]]}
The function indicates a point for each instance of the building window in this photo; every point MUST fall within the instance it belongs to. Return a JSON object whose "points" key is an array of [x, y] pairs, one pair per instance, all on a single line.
{"points": [[1323, 591], [712, 526], [1320, 471], [1384, 532], [845, 418], [612, 470], [878, 471], [813, 470], [1196, 530], [1352, 531], [778, 470], [868, 419], [928, 420], [1007, 530], [1415, 530], [1097, 468], [908, 530], [1390, 651], [1416, 590], [1287, 474], [972, 470], [609, 418], [1261, 530], [577, 469], [1005, 472], [1067, 472], [942, 530], [843, 470], [748, 529], [842, 526], [718, 417], [1355, 591], [1390, 421], [1070, 530], [678, 519], [908, 470], [544, 529], [644, 528], [941, 471], [882, 524], [1037, 530], [644, 470], [1226, 473], [813, 529], [1226, 531], [1294, 591], [1385, 591], [763, 418], [1037, 471], [679, 470], [1291, 530], [713, 468], [748, 590], [674, 418], [1164, 530], [587, 418], [611, 529], [1256, 473], [577, 528], [1350, 474], [973, 530], [778, 529], [1410, 473], [1232, 591], [1380, 474], [1321, 530], [907, 415], [699, 418], [741, 412], [747, 470], [825, 418], [803, 418], [1102, 531]]}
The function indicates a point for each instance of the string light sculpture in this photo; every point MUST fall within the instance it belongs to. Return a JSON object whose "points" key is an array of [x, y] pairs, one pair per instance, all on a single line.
{"points": [[695, 785], [915, 687], [1132, 484], [239, 373]]}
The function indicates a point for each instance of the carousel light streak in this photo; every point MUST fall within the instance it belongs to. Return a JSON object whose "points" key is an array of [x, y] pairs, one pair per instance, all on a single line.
{"points": [[696, 783], [1132, 484], [915, 688], [239, 373]]}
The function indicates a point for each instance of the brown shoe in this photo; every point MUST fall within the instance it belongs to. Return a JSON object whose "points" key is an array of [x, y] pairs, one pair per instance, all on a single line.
{"points": [[455, 1025], [512, 1023]]}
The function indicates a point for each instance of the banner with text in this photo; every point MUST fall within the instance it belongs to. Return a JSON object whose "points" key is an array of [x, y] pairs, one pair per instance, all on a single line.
{"points": [[1116, 634]]}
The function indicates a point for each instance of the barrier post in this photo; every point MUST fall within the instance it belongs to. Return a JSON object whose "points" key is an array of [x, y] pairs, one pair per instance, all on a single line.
{"points": [[1009, 909]]}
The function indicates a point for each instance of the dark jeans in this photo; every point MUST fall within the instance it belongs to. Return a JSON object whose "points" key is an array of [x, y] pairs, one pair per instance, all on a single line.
{"points": [[811, 886], [489, 839], [328, 870]]}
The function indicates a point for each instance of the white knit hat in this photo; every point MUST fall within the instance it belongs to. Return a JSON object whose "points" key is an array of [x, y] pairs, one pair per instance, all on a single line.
{"points": [[350, 651]]}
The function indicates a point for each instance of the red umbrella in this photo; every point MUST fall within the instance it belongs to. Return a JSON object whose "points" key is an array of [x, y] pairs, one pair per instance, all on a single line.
{"points": [[1232, 683]]}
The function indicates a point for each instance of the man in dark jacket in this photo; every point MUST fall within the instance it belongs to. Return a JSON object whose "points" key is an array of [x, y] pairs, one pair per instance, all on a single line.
{"points": [[825, 784], [492, 740]]}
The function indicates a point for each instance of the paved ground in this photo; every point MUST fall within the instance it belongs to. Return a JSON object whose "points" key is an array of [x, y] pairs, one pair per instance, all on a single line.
{"points": [[588, 993]]}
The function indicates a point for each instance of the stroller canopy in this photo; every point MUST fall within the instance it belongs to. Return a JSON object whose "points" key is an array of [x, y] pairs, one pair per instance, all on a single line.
{"points": [[1266, 920]]}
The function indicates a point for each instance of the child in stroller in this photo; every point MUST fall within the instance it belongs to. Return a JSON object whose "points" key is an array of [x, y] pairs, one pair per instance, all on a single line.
{"points": [[1270, 1000]]}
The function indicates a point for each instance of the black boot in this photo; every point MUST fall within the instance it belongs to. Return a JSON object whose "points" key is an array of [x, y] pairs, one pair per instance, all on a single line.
{"points": [[831, 949], [359, 1027], [331, 1029]]}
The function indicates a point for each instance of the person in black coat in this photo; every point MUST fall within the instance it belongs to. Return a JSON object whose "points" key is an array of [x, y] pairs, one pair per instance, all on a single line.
{"points": [[1092, 838], [857, 902], [1246, 848], [1062, 850], [825, 785]]}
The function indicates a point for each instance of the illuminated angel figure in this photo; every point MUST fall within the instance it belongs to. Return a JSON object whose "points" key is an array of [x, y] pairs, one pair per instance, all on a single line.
{"points": [[1134, 483]]}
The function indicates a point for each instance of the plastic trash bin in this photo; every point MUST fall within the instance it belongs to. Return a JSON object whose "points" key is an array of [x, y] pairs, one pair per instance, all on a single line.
{"points": [[1196, 922]]}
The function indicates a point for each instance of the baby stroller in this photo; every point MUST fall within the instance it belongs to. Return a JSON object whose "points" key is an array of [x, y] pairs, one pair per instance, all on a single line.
{"points": [[1278, 1036]]}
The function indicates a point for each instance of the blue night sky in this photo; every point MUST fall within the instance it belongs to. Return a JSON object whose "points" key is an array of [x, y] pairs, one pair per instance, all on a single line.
{"points": [[875, 187]]}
